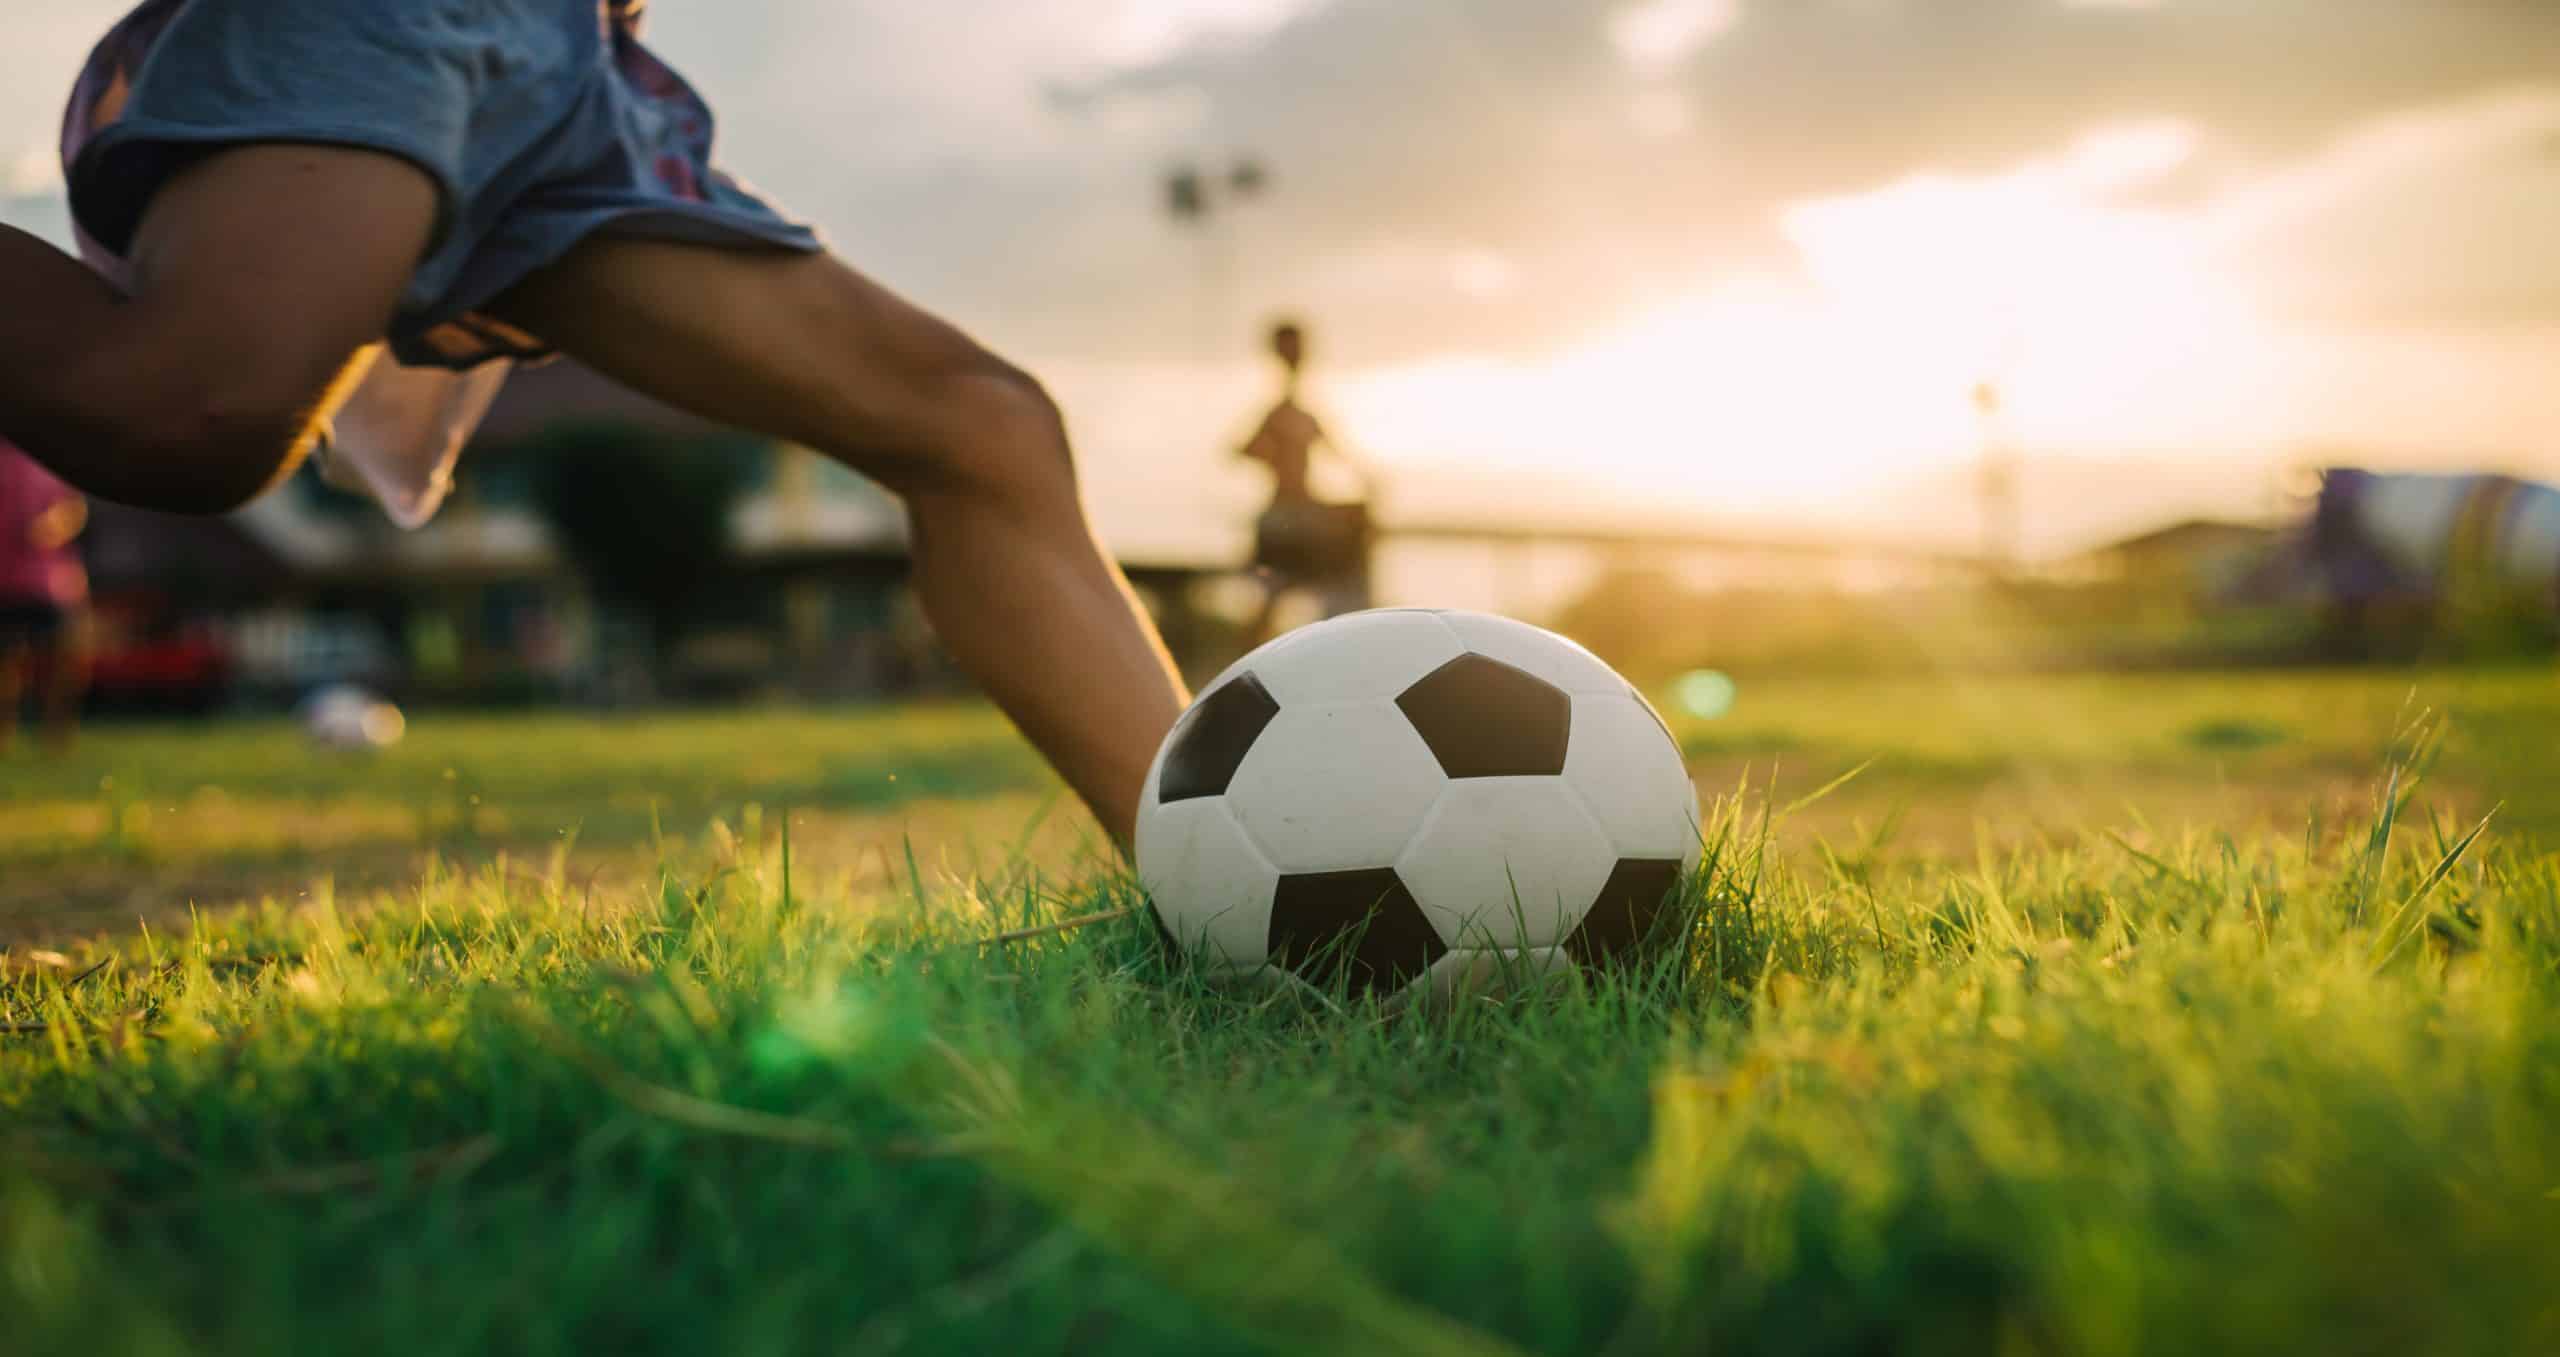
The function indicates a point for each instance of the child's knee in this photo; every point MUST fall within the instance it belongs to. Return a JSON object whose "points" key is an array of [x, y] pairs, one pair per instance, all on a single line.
{"points": [[204, 457], [199, 433], [1007, 408], [984, 429]]}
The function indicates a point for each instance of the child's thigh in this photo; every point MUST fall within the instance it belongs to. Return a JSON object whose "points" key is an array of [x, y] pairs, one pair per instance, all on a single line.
{"points": [[274, 264]]}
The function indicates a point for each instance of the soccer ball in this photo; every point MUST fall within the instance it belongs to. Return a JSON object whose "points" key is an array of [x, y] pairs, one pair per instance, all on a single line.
{"points": [[1410, 796], [344, 716]]}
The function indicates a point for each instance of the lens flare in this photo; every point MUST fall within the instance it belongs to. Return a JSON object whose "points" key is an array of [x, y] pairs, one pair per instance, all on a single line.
{"points": [[1705, 693]]}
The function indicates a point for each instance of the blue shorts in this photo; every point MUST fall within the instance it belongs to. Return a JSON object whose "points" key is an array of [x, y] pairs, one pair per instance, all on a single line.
{"points": [[541, 122]]}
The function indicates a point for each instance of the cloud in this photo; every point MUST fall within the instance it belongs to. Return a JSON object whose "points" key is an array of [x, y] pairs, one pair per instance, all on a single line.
{"points": [[1658, 35], [2433, 218], [1135, 32], [1491, 212], [34, 172], [1479, 201], [1515, 124], [41, 45], [1001, 159]]}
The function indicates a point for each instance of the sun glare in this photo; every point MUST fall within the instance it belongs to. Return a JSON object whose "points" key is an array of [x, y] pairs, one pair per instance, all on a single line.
{"points": [[2101, 320]]}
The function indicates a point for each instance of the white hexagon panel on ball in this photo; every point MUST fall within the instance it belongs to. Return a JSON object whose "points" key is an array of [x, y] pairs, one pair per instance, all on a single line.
{"points": [[1629, 774], [1507, 862], [1337, 788], [1493, 974], [1551, 657], [1364, 657], [1211, 887]]}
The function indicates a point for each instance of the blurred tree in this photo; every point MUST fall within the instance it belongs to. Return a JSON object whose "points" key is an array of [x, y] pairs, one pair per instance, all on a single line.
{"points": [[1643, 621], [643, 514]]}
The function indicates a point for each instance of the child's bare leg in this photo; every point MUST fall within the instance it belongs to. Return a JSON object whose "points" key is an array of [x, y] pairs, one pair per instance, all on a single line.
{"points": [[260, 275], [803, 348]]}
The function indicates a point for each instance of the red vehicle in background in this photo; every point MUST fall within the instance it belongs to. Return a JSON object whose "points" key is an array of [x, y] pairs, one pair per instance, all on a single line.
{"points": [[143, 660]]}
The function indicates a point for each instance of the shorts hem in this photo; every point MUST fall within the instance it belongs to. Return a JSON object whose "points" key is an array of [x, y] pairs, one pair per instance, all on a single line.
{"points": [[711, 226], [112, 216]]}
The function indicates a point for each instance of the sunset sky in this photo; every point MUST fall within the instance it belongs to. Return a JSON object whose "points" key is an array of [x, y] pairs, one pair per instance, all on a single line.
{"points": [[1740, 257]]}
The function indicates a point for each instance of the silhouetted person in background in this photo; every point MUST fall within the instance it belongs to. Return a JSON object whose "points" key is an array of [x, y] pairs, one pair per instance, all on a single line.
{"points": [[1303, 543], [44, 598]]}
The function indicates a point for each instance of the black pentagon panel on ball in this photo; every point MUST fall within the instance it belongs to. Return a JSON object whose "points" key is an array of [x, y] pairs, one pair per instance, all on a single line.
{"points": [[1623, 919], [1364, 927], [1484, 718], [1213, 739]]}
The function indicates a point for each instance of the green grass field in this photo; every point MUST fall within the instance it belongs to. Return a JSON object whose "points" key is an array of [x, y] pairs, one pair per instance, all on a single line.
{"points": [[2095, 1015]]}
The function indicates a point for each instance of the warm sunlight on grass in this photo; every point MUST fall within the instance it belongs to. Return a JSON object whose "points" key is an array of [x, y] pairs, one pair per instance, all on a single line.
{"points": [[2156, 1077]]}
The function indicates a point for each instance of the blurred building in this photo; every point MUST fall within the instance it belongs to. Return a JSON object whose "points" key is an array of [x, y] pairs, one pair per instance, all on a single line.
{"points": [[311, 585], [2200, 558]]}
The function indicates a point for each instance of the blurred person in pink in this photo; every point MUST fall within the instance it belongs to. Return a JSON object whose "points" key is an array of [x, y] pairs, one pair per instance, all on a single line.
{"points": [[44, 597]]}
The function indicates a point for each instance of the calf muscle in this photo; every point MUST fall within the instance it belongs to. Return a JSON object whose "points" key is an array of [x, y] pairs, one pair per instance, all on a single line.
{"points": [[1007, 567]]}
